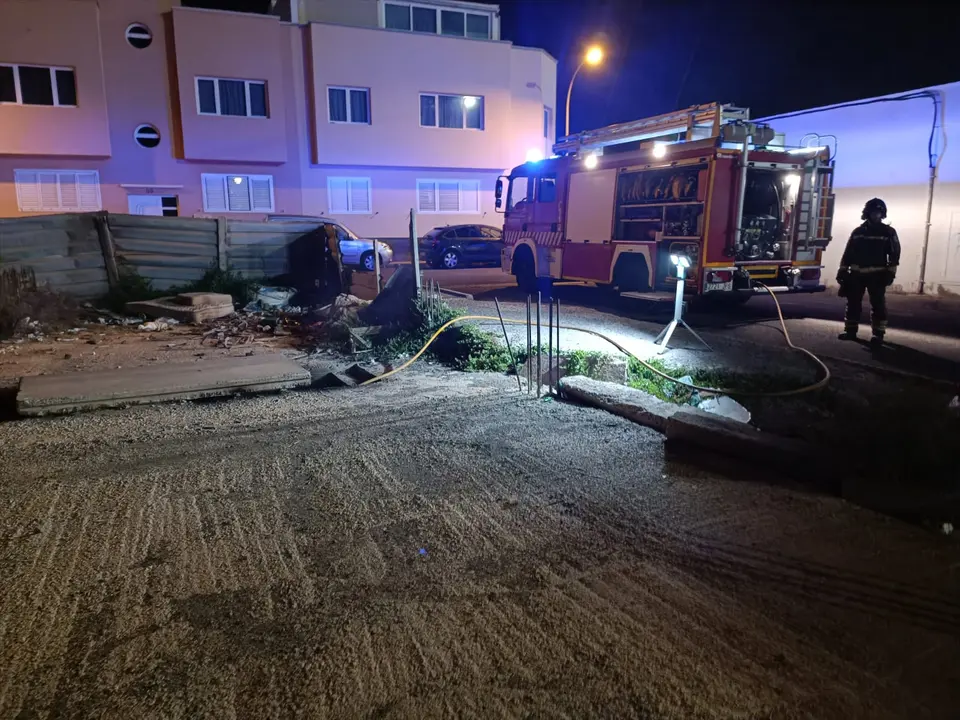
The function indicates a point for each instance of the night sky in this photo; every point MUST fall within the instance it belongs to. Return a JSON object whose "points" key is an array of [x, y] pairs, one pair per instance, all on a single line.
{"points": [[772, 57]]}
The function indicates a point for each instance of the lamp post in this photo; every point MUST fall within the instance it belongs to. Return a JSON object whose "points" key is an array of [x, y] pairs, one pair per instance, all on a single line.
{"points": [[593, 56]]}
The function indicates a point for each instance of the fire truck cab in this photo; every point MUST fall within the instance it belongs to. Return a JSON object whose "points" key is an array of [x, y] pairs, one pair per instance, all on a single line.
{"points": [[617, 206]]}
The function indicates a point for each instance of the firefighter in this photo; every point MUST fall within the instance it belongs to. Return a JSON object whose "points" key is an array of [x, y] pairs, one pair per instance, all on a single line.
{"points": [[869, 264]]}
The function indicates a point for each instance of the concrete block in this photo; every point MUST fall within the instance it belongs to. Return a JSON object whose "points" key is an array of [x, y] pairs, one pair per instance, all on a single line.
{"points": [[335, 380], [72, 392], [170, 307], [204, 298], [635, 405], [359, 373], [729, 437]]}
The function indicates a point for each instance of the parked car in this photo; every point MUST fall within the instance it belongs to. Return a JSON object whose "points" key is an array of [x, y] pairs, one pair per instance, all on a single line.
{"points": [[457, 246], [354, 251]]}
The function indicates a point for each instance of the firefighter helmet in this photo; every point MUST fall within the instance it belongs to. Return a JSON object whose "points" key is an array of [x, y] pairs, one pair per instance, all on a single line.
{"points": [[875, 205]]}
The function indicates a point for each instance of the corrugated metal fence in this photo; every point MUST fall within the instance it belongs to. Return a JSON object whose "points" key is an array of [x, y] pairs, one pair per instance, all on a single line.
{"points": [[81, 254]]}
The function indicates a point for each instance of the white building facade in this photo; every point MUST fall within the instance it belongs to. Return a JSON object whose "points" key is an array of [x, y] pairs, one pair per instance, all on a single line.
{"points": [[892, 147]]}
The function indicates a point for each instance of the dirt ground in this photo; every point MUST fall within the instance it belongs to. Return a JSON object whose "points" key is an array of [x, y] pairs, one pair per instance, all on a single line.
{"points": [[102, 347], [439, 546]]}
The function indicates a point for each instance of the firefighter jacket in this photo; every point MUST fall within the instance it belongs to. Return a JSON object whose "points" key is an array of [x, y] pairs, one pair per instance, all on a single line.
{"points": [[872, 248]]}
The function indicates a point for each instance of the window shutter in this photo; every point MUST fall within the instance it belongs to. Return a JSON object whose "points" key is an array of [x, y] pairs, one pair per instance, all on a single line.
{"points": [[28, 191], [449, 197], [426, 196], [88, 189], [49, 192], [337, 189], [261, 192], [359, 196], [215, 193], [470, 196], [69, 196], [238, 193]]}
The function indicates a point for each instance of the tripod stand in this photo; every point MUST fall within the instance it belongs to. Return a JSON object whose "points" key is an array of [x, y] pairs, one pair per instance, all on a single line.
{"points": [[663, 338]]}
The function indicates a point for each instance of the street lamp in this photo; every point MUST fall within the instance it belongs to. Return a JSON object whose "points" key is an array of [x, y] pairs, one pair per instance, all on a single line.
{"points": [[593, 57]]}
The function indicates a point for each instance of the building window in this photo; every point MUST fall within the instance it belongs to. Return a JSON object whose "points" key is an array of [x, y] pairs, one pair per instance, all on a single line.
{"points": [[431, 19], [547, 121], [349, 105], [239, 98], [237, 193], [139, 36], [170, 205], [452, 111], [448, 196], [348, 195], [147, 136], [57, 190], [38, 85]]}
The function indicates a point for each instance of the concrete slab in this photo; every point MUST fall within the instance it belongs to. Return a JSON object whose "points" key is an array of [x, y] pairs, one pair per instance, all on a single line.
{"points": [[170, 307], [621, 400], [72, 392]]}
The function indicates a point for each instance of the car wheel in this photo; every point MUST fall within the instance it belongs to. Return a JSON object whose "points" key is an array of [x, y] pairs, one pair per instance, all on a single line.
{"points": [[450, 260], [367, 262]]}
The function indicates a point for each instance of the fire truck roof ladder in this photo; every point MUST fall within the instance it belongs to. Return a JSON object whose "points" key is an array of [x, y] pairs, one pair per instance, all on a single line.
{"points": [[698, 122]]}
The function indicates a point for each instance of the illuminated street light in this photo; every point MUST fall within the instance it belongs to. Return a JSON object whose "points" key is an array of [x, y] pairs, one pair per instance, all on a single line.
{"points": [[590, 161], [593, 57], [469, 101], [659, 150]]}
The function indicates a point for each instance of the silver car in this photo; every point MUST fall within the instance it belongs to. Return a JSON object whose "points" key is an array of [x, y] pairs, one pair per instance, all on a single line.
{"points": [[354, 251]]}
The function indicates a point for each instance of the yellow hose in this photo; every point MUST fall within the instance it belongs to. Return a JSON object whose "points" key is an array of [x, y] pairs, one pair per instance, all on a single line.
{"points": [[717, 391]]}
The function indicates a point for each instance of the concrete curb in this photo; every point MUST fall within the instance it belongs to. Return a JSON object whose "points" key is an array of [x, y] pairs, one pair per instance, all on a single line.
{"points": [[691, 427], [456, 293]]}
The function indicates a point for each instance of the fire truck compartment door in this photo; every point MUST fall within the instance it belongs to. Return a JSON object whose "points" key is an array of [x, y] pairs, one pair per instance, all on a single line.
{"points": [[590, 206]]}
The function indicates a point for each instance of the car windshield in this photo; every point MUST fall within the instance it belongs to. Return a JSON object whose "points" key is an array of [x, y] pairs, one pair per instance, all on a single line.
{"points": [[346, 231]]}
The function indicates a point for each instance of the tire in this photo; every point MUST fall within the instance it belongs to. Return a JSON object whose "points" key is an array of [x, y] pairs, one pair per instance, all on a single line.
{"points": [[524, 271], [450, 260], [367, 261]]}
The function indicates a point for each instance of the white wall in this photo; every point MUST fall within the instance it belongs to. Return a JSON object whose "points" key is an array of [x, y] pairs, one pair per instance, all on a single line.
{"points": [[882, 152]]}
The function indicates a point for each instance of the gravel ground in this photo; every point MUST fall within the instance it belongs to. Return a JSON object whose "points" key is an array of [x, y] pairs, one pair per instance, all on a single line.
{"points": [[438, 546]]}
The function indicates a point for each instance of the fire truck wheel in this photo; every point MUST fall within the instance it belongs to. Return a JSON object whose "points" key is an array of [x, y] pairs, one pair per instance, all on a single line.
{"points": [[524, 271]]}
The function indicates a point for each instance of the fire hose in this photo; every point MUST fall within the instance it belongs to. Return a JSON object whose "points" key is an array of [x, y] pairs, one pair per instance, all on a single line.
{"points": [[822, 382]]}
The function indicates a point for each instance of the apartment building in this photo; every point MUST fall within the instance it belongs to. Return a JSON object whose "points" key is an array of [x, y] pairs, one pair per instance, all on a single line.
{"points": [[355, 109]]}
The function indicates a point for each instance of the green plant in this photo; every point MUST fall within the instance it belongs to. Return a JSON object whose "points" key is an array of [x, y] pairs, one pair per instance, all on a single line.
{"points": [[130, 287], [463, 347], [584, 362]]}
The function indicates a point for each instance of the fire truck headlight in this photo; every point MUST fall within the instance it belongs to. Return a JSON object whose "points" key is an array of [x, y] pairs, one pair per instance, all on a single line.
{"points": [[659, 150], [590, 161]]}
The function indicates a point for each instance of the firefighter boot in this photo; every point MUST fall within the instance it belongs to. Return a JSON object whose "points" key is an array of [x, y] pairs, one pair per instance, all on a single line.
{"points": [[848, 335], [877, 340]]}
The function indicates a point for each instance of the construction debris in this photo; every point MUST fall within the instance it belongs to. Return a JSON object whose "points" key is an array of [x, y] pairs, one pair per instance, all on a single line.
{"points": [[158, 325], [187, 307]]}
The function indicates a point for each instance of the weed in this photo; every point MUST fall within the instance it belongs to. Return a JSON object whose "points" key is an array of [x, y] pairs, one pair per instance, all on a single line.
{"points": [[132, 286], [463, 347]]}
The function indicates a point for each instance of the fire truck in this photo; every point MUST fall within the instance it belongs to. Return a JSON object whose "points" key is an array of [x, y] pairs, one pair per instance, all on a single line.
{"points": [[623, 205]]}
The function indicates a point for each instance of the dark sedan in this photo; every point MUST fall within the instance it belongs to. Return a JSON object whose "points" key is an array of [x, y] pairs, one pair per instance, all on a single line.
{"points": [[457, 246]]}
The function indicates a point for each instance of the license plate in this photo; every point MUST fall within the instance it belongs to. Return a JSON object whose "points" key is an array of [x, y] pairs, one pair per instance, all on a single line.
{"points": [[715, 287]]}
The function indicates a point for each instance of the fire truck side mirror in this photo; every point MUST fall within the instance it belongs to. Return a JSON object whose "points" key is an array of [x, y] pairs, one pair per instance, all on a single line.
{"points": [[498, 194]]}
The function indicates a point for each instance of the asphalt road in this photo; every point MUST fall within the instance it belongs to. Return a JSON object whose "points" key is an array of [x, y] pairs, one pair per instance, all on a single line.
{"points": [[439, 546]]}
